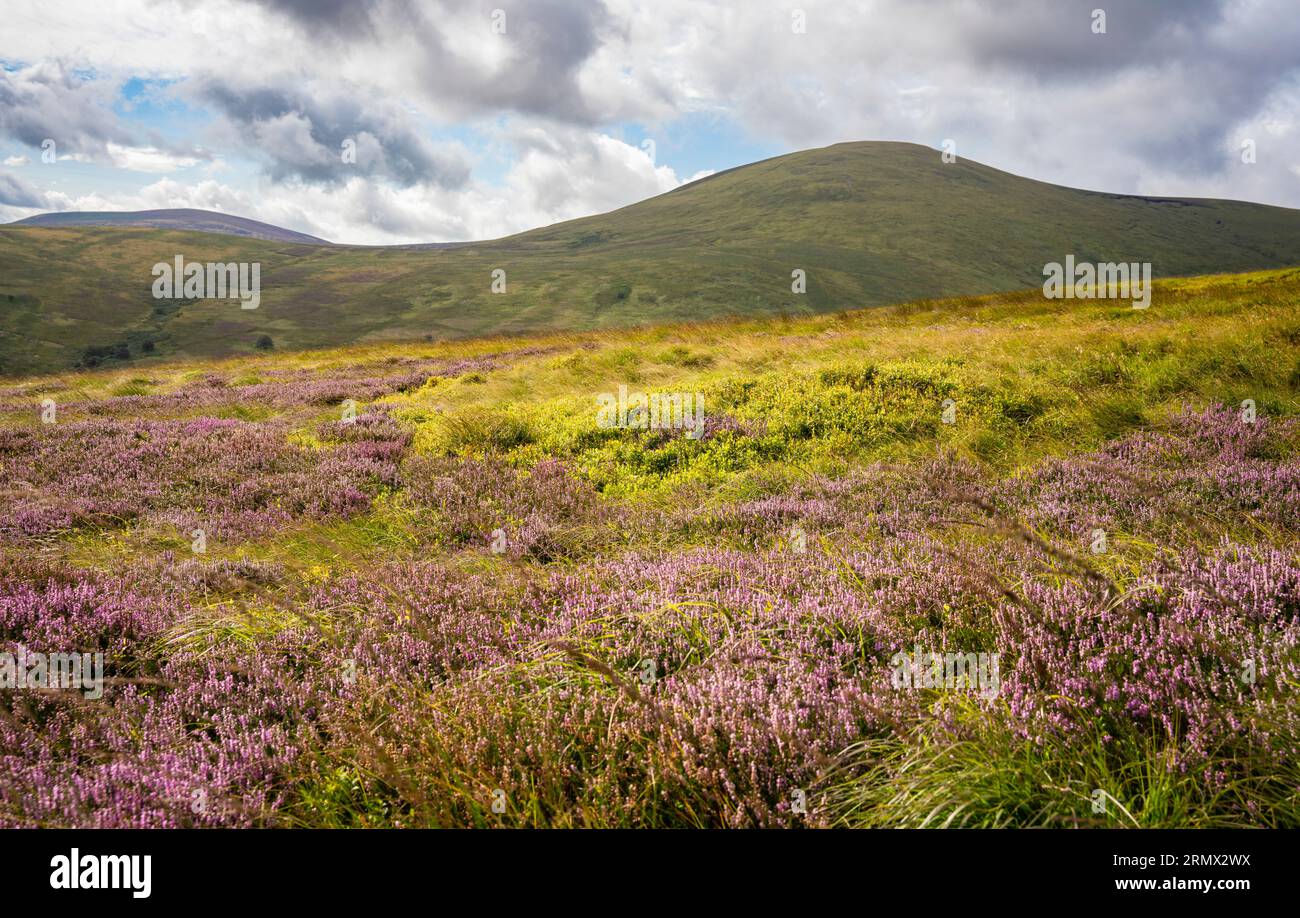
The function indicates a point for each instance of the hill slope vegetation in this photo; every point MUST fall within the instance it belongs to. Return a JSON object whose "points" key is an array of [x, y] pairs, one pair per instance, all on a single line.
{"points": [[870, 223]]}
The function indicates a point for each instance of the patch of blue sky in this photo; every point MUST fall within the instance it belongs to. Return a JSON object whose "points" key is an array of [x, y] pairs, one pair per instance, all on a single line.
{"points": [[699, 142], [149, 104], [485, 140]]}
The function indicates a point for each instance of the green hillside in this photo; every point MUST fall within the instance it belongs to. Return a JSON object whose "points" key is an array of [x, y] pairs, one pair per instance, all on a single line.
{"points": [[870, 223]]}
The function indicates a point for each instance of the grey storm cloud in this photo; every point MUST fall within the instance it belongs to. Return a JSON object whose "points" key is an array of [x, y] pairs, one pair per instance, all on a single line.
{"points": [[546, 44], [1162, 96], [1056, 40], [341, 16], [50, 101], [1230, 77], [303, 135], [17, 193]]}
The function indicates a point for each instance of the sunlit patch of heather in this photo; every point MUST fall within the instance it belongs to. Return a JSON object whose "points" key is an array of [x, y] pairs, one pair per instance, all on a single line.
{"points": [[1195, 647], [418, 623], [197, 576], [213, 394], [225, 476], [203, 736], [370, 437], [876, 501], [206, 741], [64, 609], [761, 669], [765, 665]]}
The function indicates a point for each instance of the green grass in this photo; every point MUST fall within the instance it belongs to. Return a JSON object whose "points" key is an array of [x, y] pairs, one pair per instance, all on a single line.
{"points": [[990, 778], [1029, 378]]}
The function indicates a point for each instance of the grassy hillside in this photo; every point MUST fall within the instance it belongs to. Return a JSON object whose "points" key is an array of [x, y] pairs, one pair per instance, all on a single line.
{"points": [[430, 581], [870, 223]]}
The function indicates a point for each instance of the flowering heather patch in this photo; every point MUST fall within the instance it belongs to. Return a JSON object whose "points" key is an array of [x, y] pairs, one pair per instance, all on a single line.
{"points": [[1206, 466], [225, 476], [879, 499], [1199, 649], [728, 678], [179, 738], [65, 608], [542, 514], [278, 390]]}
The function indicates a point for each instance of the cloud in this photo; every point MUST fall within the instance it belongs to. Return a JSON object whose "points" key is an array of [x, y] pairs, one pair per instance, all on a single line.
{"points": [[303, 135], [466, 57], [341, 16], [148, 159], [554, 178], [1062, 41], [1024, 86], [51, 105], [14, 192], [531, 68], [50, 101], [573, 173]]}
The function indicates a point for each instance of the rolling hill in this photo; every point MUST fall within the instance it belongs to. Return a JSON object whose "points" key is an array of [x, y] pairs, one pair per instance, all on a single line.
{"points": [[200, 221], [871, 223]]}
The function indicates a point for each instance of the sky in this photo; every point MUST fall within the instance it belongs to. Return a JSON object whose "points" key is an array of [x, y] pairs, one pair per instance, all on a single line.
{"points": [[393, 121]]}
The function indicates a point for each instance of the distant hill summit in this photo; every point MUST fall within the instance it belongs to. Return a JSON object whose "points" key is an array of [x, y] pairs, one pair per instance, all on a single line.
{"points": [[180, 218], [842, 227]]}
